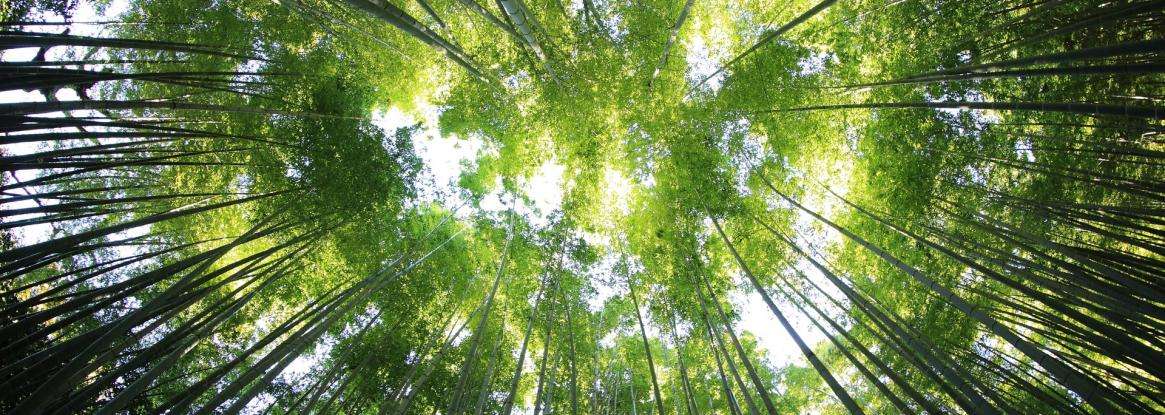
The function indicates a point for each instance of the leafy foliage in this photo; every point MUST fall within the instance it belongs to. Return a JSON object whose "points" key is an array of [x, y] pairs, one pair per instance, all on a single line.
{"points": [[804, 207]]}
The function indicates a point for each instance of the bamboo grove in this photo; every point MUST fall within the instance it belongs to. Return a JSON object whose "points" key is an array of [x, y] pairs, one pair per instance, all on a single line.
{"points": [[763, 207]]}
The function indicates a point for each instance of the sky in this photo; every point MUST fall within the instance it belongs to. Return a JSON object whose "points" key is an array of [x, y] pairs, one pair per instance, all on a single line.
{"points": [[447, 157], [83, 13]]}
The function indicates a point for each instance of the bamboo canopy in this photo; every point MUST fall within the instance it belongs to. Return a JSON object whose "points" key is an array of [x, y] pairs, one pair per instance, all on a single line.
{"points": [[598, 207]]}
